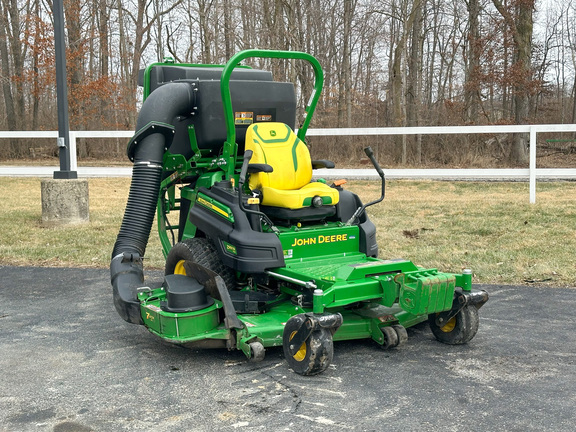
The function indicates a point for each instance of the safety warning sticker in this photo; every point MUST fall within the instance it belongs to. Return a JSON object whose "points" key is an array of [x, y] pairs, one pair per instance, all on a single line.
{"points": [[243, 118]]}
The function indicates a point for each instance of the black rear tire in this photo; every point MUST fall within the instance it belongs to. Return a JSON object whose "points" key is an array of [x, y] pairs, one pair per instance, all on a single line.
{"points": [[200, 251]]}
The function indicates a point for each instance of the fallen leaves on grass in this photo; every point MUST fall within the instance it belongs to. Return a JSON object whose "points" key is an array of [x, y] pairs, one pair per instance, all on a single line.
{"points": [[415, 233]]}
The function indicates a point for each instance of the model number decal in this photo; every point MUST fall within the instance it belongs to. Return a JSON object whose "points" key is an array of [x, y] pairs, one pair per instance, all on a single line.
{"points": [[210, 205], [230, 248]]}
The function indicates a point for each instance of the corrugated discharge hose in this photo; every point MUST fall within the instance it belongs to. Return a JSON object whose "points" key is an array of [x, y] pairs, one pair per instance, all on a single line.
{"points": [[162, 107]]}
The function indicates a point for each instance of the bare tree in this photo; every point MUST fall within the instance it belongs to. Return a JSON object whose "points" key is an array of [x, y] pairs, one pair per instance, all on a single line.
{"points": [[386, 62], [519, 20], [414, 80], [473, 56], [405, 14]]}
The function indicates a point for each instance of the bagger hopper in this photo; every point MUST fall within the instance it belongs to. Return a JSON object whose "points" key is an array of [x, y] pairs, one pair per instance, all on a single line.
{"points": [[261, 256]]}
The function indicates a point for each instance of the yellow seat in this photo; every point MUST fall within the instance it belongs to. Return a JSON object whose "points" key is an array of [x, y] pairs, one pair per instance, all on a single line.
{"points": [[288, 186]]}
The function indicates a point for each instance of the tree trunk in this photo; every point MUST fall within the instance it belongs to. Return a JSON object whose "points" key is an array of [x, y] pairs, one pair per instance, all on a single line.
{"points": [[413, 91], [11, 55], [103, 17], [17, 50], [397, 78], [520, 22], [523, 40], [345, 85], [6, 72], [35, 68], [472, 80], [229, 36], [75, 66], [574, 100]]}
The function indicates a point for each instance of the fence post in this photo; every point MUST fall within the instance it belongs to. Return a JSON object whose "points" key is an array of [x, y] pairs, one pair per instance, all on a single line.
{"points": [[73, 156], [532, 168]]}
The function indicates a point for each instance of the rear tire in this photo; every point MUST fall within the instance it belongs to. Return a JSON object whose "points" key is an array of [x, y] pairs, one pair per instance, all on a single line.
{"points": [[200, 251], [460, 329]]}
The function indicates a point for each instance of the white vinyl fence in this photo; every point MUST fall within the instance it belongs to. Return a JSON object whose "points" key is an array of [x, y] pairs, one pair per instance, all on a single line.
{"points": [[531, 173]]}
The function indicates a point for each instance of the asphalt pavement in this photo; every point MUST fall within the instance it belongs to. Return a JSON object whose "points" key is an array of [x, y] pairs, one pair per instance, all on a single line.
{"points": [[69, 363]]}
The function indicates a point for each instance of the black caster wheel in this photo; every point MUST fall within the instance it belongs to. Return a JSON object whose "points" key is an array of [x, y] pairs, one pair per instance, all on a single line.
{"points": [[257, 351], [390, 337], [314, 355], [459, 329], [401, 333]]}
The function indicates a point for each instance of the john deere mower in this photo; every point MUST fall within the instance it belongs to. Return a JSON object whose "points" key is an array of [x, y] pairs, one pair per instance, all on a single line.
{"points": [[261, 255]]}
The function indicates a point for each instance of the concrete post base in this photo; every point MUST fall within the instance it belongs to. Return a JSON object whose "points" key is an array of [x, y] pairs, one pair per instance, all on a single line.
{"points": [[64, 201]]}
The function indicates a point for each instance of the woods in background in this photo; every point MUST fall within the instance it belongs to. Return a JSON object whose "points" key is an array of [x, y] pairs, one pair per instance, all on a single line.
{"points": [[386, 63]]}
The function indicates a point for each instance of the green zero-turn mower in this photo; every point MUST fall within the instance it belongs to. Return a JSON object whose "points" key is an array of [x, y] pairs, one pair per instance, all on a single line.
{"points": [[261, 256]]}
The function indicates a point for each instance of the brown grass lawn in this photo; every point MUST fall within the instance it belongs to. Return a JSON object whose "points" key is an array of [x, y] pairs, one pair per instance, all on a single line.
{"points": [[489, 227]]}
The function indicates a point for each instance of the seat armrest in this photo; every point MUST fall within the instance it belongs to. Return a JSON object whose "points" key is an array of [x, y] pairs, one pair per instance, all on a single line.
{"points": [[258, 167], [322, 163]]}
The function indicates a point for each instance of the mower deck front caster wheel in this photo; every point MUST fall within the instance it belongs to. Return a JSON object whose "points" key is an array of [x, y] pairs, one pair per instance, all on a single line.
{"points": [[391, 338], [459, 329], [402, 334], [257, 352], [315, 353]]}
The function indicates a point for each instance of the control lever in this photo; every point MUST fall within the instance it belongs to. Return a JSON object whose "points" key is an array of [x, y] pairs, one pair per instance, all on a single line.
{"points": [[242, 179], [360, 210]]}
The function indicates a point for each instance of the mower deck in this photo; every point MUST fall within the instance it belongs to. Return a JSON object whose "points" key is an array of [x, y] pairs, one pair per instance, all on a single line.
{"points": [[362, 289]]}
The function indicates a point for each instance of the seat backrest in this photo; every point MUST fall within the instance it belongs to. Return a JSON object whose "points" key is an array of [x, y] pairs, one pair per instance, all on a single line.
{"points": [[277, 145]]}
